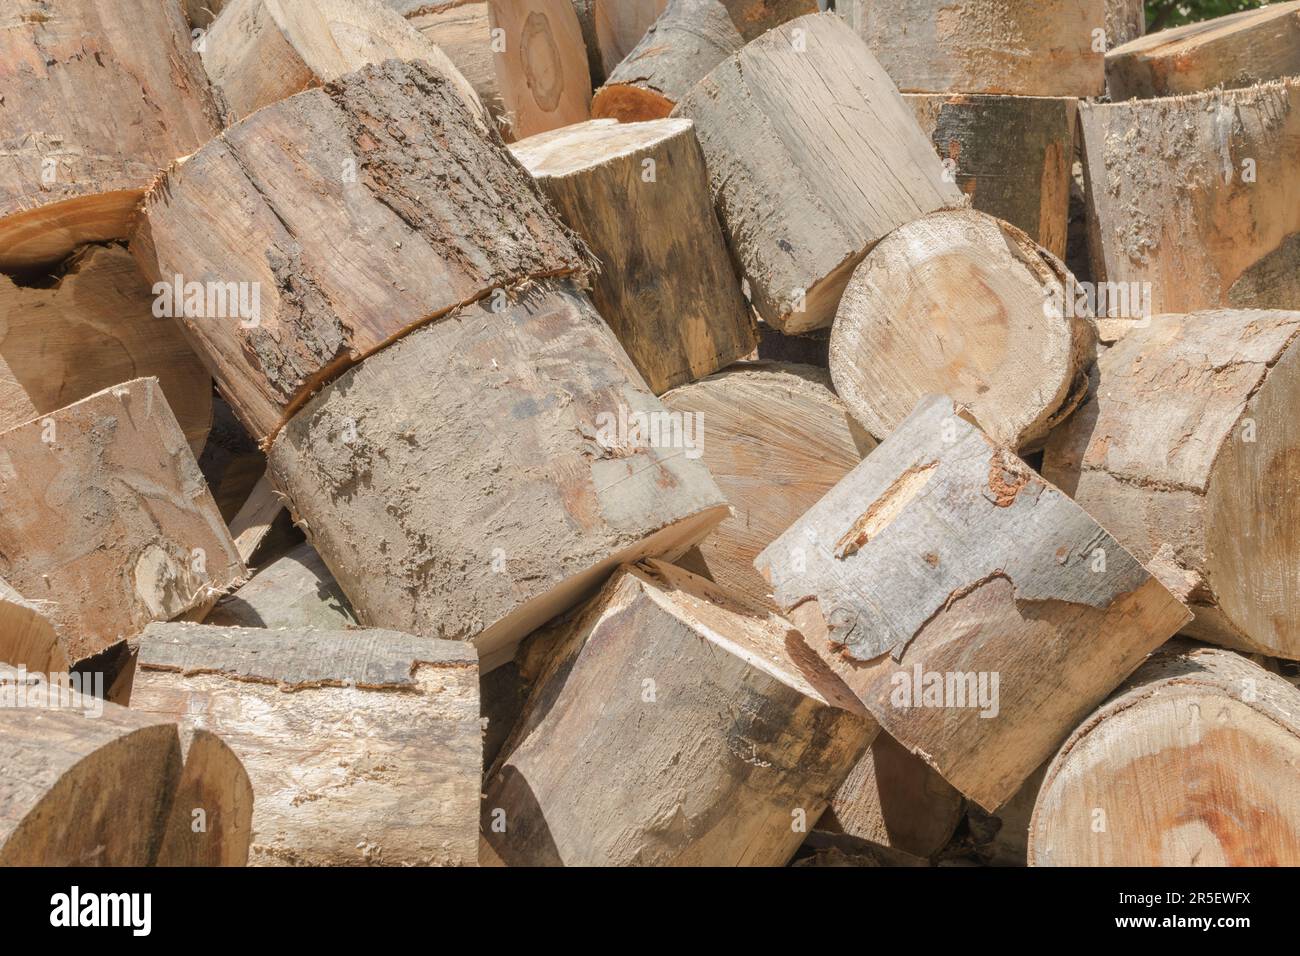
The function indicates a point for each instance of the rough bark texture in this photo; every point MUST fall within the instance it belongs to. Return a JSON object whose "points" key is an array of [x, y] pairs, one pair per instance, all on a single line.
{"points": [[98, 95], [943, 554], [1192, 763], [1194, 201], [538, 497], [1238, 50], [211, 817], [541, 67], [1011, 154], [753, 18], [776, 440], [813, 157], [1189, 451], [638, 195], [1020, 47], [91, 329], [959, 303], [295, 590], [1125, 20], [362, 746], [463, 32], [670, 729], [359, 211], [107, 520]]}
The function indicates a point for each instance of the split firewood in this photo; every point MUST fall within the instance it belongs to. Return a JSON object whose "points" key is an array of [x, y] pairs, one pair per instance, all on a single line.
{"points": [[541, 65], [362, 746], [253, 523], [258, 52], [1237, 50], [924, 575], [295, 590], [28, 634], [1194, 201], [94, 328], [462, 30], [1191, 763], [962, 304], [1011, 154], [211, 818], [1019, 47], [777, 440], [1189, 452], [82, 782], [683, 45], [107, 522], [379, 204], [553, 463], [813, 158], [639, 196], [709, 737], [97, 98]]}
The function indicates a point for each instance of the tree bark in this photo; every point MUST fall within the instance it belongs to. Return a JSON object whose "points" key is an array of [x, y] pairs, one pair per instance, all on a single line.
{"points": [[463, 31], [541, 68]]}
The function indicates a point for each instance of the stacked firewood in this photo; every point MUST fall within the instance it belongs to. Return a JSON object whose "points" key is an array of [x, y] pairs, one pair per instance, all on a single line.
{"points": [[500, 538]]}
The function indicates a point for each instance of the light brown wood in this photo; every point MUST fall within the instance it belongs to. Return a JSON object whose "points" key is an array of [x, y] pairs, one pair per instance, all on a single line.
{"points": [[1191, 763], [753, 18], [201, 13], [813, 157], [98, 96], [478, 503], [638, 195], [28, 634], [362, 747], [107, 521], [974, 609], [1125, 20], [541, 65], [962, 304], [295, 590], [669, 728], [255, 518], [619, 26], [1190, 450], [461, 29], [211, 818]]}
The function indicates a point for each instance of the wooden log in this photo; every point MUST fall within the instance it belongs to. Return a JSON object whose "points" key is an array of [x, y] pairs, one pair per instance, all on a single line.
{"points": [[82, 782], [461, 29], [925, 573], [1191, 763], [960, 303], [813, 157], [295, 590], [541, 65], [29, 635], [1194, 201], [252, 524], [333, 266], [1125, 20], [1233, 51], [893, 798], [258, 52], [638, 195], [211, 818], [679, 49], [74, 172], [94, 328], [1011, 154], [1189, 448], [1016, 47], [553, 465], [107, 521], [777, 440], [362, 747], [753, 18], [708, 737], [618, 26]]}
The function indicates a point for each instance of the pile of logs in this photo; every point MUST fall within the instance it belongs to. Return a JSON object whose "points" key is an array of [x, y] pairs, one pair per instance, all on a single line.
{"points": [[648, 432]]}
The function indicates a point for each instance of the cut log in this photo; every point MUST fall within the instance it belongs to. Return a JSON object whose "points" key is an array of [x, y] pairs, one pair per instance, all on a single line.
{"points": [[94, 328], [943, 570], [211, 817], [753, 18], [258, 52], [107, 521], [296, 590], [1238, 50], [1018, 47], [962, 304], [813, 157], [363, 747], [82, 782], [670, 729], [1125, 20], [1194, 201], [1190, 451], [619, 26], [461, 29], [1192, 763], [256, 517], [553, 465], [683, 45], [541, 65], [1011, 154], [893, 798], [639, 196], [97, 98], [777, 440], [328, 268], [585, 10]]}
